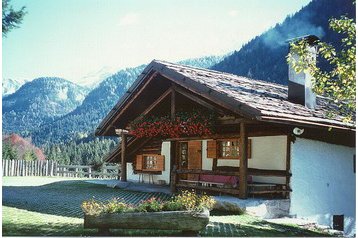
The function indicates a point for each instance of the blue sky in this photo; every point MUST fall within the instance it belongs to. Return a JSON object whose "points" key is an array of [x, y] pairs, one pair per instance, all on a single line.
{"points": [[75, 38]]}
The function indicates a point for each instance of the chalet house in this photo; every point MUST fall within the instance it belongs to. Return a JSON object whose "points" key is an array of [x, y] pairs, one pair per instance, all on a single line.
{"points": [[194, 128]]}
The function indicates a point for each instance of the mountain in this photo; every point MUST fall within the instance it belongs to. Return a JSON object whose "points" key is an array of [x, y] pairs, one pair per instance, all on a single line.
{"points": [[39, 101], [81, 122], [9, 86], [94, 78], [264, 57], [202, 62]]}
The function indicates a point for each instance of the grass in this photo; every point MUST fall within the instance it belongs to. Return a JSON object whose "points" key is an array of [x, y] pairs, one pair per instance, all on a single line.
{"points": [[51, 207], [18, 222]]}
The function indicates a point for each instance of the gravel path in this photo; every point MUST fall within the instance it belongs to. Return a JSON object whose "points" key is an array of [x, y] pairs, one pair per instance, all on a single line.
{"points": [[62, 196]]}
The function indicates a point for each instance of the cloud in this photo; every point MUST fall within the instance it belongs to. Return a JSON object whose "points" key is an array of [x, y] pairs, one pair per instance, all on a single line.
{"points": [[129, 19], [233, 13]]}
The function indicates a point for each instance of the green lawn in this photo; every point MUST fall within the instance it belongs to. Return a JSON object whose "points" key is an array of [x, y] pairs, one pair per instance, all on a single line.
{"points": [[52, 208]]}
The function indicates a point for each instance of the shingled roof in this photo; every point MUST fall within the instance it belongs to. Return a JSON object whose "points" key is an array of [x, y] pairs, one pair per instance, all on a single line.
{"points": [[255, 99]]}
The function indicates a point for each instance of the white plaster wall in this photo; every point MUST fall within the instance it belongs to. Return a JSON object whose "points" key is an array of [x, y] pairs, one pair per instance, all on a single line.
{"points": [[207, 163], [268, 152], [165, 174], [323, 182]]}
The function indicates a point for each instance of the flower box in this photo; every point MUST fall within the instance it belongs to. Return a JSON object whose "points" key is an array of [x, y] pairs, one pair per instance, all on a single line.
{"points": [[186, 221]]}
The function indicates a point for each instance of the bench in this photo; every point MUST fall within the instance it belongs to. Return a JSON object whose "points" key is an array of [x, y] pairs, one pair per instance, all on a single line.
{"points": [[216, 180]]}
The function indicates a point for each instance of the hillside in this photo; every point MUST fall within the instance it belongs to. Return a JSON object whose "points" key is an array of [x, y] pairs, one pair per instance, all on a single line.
{"points": [[81, 123], [264, 56], [39, 101]]}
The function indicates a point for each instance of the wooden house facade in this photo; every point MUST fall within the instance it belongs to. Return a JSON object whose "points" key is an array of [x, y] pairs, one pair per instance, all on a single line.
{"points": [[247, 137]]}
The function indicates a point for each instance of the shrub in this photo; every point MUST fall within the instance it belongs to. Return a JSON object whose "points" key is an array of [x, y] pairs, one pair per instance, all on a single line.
{"points": [[173, 206], [150, 205], [93, 207], [186, 201], [193, 202], [116, 206]]}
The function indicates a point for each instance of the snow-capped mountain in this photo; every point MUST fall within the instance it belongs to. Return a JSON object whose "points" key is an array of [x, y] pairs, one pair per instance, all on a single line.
{"points": [[10, 86], [40, 101]]}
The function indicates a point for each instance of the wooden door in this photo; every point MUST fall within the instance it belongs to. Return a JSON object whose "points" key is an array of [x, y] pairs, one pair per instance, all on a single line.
{"points": [[194, 158]]}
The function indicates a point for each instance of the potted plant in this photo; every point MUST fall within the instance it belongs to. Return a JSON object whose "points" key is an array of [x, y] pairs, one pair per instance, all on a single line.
{"points": [[187, 212]]}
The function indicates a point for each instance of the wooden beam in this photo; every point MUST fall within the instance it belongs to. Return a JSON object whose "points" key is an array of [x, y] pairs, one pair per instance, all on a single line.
{"points": [[138, 147], [243, 162], [268, 172], [173, 159], [306, 123], [125, 103], [288, 162], [173, 179], [198, 100], [208, 172], [156, 102], [213, 189], [172, 105], [123, 158], [223, 121], [215, 164]]}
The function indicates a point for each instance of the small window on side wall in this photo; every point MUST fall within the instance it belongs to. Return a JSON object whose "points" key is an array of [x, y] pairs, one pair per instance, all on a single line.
{"points": [[150, 162], [229, 149], [226, 149]]}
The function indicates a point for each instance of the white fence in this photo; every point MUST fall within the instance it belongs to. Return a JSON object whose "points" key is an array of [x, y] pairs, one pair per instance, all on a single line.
{"points": [[51, 168]]}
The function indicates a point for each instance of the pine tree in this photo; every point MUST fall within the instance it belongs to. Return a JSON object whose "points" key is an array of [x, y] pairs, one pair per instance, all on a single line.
{"points": [[10, 18], [8, 152]]}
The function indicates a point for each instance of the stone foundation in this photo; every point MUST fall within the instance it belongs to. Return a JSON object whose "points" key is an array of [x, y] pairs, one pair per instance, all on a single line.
{"points": [[266, 209]]}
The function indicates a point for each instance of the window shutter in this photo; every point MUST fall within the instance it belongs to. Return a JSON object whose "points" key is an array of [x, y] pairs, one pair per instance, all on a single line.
{"points": [[249, 147], [139, 163], [211, 149], [160, 162]]}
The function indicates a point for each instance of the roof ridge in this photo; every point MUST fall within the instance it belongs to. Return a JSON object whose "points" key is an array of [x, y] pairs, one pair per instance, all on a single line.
{"points": [[220, 72]]}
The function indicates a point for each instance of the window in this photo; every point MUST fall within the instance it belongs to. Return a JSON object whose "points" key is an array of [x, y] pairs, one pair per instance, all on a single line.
{"points": [[229, 149], [149, 162], [226, 149]]}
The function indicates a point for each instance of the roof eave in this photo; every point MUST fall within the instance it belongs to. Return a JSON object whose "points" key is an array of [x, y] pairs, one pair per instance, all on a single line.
{"points": [[101, 129]]}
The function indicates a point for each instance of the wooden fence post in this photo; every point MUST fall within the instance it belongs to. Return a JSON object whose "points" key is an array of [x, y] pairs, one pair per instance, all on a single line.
{"points": [[51, 170], [12, 167], [3, 167], [38, 170], [20, 168], [24, 168], [15, 167], [41, 167], [46, 168], [32, 164]]}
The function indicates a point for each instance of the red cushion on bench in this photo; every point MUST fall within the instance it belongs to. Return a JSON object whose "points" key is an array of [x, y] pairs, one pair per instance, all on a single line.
{"points": [[222, 179], [219, 179]]}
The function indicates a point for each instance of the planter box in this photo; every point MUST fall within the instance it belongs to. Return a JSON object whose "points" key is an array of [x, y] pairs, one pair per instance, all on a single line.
{"points": [[172, 220]]}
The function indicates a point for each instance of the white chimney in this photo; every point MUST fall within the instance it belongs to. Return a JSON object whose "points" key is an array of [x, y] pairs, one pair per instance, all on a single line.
{"points": [[300, 85]]}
